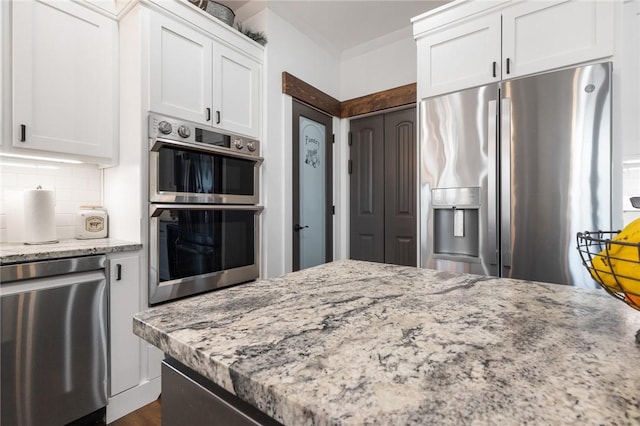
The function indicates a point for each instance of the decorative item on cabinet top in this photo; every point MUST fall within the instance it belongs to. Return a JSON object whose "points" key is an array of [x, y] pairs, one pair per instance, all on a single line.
{"points": [[216, 9], [257, 36]]}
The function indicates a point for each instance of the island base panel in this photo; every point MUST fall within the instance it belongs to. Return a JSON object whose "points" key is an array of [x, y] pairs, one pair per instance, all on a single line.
{"points": [[190, 398]]}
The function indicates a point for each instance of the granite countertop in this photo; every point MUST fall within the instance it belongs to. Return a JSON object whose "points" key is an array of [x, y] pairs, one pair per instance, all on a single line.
{"points": [[363, 343], [19, 253]]}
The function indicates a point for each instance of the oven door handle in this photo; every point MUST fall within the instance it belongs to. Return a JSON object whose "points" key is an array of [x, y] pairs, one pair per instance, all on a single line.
{"points": [[156, 209], [158, 143]]}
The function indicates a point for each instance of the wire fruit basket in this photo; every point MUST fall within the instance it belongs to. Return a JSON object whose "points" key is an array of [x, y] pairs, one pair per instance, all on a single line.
{"points": [[615, 265]]}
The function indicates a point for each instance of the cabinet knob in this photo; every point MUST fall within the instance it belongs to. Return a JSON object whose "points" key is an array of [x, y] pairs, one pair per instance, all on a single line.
{"points": [[118, 272], [23, 133], [217, 117], [494, 68], [508, 65]]}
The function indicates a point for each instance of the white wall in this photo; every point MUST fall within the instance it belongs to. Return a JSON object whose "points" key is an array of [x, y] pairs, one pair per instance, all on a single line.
{"points": [[381, 64], [291, 51]]}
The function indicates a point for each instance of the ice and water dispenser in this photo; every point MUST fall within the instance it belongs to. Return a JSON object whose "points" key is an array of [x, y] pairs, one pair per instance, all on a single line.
{"points": [[456, 222]]}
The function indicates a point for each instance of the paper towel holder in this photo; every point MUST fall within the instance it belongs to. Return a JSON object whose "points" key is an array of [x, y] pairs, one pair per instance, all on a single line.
{"points": [[45, 228]]}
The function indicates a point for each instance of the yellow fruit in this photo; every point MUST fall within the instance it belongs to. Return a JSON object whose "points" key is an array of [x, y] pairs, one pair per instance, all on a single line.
{"points": [[601, 272], [623, 261], [630, 233]]}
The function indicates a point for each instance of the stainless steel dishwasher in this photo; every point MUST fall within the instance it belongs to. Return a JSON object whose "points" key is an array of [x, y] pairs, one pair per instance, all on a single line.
{"points": [[53, 364]]}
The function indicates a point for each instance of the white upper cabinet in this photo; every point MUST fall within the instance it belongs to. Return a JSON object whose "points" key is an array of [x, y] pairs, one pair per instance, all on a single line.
{"points": [[180, 70], [538, 36], [236, 91], [467, 44], [198, 78], [463, 55], [64, 79]]}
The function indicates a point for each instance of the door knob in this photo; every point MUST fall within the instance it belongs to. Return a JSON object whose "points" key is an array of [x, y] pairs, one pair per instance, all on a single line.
{"points": [[297, 227]]}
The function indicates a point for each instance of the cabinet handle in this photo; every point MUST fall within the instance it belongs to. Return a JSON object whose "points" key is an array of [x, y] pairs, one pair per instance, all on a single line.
{"points": [[23, 133], [494, 68], [118, 272], [508, 65], [217, 117], [208, 114]]}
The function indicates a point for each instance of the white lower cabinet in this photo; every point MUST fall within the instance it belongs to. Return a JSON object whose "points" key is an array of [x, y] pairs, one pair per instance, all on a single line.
{"points": [[134, 377], [124, 302]]}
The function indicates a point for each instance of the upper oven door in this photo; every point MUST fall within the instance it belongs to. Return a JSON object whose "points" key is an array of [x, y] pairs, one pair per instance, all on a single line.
{"points": [[183, 172]]}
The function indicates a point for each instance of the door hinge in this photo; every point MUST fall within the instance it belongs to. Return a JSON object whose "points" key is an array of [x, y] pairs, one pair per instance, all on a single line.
{"points": [[350, 138], [350, 167], [333, 210]]}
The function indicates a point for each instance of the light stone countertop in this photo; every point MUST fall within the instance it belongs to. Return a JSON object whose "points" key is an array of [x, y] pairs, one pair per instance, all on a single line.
{"points": [[18, 252], [354, 343]]}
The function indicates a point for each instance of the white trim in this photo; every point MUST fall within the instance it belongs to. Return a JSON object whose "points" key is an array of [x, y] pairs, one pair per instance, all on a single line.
{"points": [[129, 401]]}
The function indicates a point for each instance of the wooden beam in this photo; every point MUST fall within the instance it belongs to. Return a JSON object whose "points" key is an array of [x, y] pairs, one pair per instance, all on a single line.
{"points": [[298, 89], [302, 91], [399, 96]]}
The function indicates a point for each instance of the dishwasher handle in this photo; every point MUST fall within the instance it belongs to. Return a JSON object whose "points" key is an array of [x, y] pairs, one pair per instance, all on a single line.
{"points": [[49, 283], [49, 268]]}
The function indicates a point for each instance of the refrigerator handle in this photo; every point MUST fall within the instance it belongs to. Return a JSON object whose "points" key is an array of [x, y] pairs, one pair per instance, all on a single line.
{"points": [[505, 181], [492, 139]]}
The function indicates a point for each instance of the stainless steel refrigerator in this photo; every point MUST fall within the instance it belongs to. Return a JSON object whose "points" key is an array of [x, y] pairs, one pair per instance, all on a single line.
{"points": [[510, 172]]}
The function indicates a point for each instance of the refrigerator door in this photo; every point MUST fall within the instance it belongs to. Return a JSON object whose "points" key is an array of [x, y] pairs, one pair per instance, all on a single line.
{"points": [[458, 200], [555, 171]]}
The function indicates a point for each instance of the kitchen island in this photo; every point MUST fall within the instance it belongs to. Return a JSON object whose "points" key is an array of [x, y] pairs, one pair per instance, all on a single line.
{"points": [[355, 342]]}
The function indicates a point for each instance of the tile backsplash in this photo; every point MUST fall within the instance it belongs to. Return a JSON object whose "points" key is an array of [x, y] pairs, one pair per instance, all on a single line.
{"points": [[75, 185]]}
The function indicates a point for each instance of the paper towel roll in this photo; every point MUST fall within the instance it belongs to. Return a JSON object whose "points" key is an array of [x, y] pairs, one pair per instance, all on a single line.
{"points": [[39, 216]]}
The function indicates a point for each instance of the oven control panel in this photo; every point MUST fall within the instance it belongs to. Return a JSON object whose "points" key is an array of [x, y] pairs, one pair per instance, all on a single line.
{"points": [[168, 128], [184, 131]]}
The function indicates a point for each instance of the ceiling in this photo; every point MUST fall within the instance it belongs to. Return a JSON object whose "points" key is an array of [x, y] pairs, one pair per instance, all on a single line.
{"points": [[342, 25]]}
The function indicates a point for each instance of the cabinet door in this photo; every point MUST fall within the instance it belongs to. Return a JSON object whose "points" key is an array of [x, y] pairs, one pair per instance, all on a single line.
{"points": [[64, 75], [540, 36], [124, 302], [180, 70], [236, 91], [462, 56]]}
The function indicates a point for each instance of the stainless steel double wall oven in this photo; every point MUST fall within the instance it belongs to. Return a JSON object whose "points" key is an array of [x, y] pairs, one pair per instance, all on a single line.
{"points": [[203, 208]]}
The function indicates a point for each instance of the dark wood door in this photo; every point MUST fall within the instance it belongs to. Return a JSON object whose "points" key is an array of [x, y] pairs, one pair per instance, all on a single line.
{"points": [[367, 189], [400, 220], [383, 188]]}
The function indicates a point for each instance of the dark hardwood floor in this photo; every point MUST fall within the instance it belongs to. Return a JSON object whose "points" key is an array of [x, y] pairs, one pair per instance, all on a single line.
{"points": [[149, 415]]}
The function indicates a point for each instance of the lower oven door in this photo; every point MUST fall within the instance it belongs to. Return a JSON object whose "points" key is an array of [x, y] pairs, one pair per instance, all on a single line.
{"points": [[197, 248]]}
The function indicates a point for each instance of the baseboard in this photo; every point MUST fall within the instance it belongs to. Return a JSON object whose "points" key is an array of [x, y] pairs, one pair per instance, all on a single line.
{"points": [[132, 399]]}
